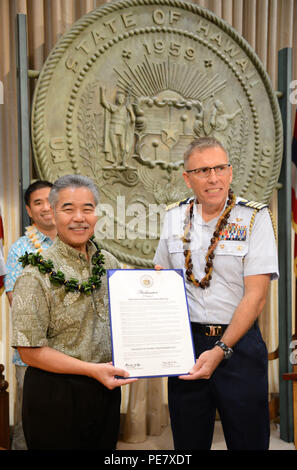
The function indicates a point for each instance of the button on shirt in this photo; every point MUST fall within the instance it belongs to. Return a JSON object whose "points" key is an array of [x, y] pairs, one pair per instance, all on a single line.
{"points": [[14, 267], [239, 253]]}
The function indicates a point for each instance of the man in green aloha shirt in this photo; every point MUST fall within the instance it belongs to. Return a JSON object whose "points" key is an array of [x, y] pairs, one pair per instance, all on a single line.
{"points": [[61, 329]]}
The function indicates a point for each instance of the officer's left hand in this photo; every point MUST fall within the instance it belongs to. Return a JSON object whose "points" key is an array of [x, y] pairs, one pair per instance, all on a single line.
{"points": [[205, 365]]}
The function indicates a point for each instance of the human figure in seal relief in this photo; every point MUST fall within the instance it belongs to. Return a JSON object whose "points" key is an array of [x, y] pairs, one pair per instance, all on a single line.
{"points": [[212, 120], [121, 126], [220, 120]]}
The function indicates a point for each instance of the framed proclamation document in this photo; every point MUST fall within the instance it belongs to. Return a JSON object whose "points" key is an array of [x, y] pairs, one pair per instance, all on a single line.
{"points": [[150, 326]]}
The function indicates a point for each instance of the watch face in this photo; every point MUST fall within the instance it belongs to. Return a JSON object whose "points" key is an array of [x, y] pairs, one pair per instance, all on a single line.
{"points": [[227, 351]]}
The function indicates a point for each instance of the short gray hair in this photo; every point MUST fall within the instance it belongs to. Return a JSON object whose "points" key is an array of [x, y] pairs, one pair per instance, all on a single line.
{"points": [[72, 181], [201, 144]]}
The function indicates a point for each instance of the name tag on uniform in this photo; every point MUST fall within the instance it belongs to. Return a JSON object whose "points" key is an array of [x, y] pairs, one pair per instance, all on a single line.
{"points": [[233, 232]]}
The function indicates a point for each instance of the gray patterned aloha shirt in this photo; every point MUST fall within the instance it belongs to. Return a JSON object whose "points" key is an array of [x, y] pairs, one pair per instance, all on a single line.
{"points": [[73, 323]]}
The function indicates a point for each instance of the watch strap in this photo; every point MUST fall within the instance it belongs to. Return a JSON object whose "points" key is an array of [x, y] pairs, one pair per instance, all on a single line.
{"points": [[226, 350]]}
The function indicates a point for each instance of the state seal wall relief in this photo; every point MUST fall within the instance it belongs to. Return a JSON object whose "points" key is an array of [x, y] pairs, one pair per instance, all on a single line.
{"points": [[140, 82]]}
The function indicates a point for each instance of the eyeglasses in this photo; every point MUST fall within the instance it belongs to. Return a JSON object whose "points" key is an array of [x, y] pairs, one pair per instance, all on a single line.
{"points": [[205, 172]]}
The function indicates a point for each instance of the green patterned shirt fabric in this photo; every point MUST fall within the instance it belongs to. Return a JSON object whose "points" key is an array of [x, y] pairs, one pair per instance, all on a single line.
{"points": [[71, 322]]}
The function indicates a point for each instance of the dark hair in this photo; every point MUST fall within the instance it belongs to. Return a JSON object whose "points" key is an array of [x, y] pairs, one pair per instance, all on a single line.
{"points": [[39, 184]]}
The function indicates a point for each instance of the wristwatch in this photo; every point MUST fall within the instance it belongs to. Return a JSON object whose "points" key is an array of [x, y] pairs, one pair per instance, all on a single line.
{"points": [[227, 351]]}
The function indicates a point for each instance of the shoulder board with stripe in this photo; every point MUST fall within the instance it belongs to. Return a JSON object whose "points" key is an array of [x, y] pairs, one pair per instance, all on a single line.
{"points": [[252, 204], [178, 203]]}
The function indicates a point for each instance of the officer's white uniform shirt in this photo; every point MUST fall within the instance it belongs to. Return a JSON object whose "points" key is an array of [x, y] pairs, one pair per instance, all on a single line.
{"points": [[245, 254]]}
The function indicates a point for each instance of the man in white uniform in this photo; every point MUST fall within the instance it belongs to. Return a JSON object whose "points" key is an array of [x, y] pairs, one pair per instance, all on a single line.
{"points": [[227, 248]]}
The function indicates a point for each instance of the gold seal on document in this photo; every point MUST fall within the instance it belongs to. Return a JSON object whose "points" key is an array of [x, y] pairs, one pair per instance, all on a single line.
{"points": [[146, 281], [125, 91]]}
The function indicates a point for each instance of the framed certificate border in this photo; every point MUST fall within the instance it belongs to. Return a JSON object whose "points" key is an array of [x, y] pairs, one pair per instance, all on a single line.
{"points": [[158, 358]]}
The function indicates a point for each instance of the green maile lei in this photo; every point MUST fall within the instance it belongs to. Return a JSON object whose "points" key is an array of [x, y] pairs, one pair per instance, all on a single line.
{"points": [[57, 278]]}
